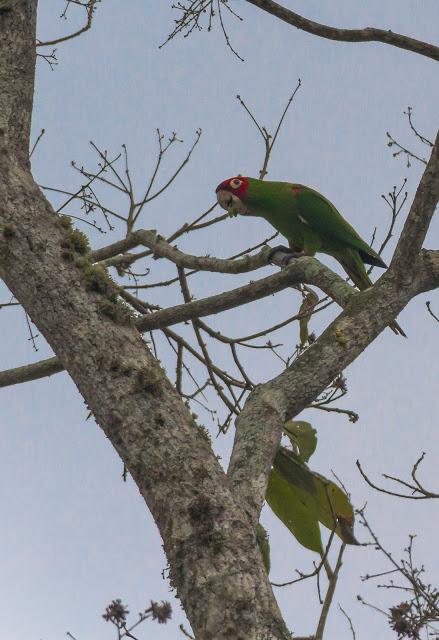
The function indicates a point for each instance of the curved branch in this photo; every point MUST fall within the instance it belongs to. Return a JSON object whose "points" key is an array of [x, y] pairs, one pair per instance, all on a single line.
{"points": [[307, 270], [270, 405], [116, 248], [418, 221], [427, 270], [418, 492], [160, 248], [90, 13], [368, 34]]}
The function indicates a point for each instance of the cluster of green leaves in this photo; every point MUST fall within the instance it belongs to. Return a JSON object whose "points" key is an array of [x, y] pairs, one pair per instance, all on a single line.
{"points": [[303, 499]]}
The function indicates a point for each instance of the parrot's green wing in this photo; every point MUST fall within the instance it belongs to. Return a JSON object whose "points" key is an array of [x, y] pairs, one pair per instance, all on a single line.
{"points": [[323, 218]]}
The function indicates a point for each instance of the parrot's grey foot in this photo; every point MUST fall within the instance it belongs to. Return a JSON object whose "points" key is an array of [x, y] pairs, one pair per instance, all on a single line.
{"points": [[284, 255]]}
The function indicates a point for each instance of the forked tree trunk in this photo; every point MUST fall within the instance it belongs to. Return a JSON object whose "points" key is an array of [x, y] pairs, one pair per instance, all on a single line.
{"points": [[215, 563], [206, 518]]}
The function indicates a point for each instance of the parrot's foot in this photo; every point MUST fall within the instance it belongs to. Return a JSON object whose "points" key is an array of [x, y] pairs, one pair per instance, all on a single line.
{"points": [[284, 257]]}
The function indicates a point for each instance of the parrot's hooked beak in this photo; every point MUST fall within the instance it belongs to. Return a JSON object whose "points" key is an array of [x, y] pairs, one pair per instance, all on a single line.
{"points": [[230, 202]]}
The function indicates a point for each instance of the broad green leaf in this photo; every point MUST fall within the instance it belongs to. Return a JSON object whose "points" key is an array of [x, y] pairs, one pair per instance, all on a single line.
{"points": [[302, 436], [291, 495], [264, 545], [302, 498], [335, 504]]}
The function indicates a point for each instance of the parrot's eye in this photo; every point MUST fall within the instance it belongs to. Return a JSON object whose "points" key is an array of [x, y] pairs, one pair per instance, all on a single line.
{"points": [[235, 183]]}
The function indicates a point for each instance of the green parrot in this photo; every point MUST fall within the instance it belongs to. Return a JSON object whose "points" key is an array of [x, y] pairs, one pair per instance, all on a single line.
{"points": [[308, 220]]}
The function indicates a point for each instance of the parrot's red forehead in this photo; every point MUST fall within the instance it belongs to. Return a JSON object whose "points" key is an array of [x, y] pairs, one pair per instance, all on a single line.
{"points": [[237, 185]]}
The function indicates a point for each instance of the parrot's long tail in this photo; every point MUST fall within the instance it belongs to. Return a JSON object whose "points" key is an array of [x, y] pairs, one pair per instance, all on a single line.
{"points": [[354, 267], [397, 329]]}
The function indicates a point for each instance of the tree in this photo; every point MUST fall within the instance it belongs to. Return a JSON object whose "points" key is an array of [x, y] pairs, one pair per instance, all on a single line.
{"points": [[50, 269]]}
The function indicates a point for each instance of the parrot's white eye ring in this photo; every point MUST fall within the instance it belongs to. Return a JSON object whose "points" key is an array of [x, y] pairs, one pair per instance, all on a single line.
{"points": [[235, 183]]}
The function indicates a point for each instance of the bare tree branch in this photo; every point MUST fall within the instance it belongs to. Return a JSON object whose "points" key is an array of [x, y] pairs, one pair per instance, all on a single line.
{"points": [[259, 426], [165, 451], [319, 275], [207, 521], [368, 34], [433, 315], [90, 8], [418, 491], [418, 220], [329, 595], [427, 270]]}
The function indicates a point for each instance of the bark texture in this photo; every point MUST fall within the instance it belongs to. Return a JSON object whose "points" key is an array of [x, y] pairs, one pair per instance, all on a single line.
{"points": [[215, 564], [208, 537], [365, 316]]}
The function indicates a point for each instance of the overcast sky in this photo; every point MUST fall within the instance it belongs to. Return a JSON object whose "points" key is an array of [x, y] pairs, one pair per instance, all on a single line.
{"points": [[74, 536]]}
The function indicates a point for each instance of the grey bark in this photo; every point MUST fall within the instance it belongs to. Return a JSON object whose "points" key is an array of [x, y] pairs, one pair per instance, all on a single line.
{"points": [[208, 538], [364, 317], [215, 565], [307, 270]]}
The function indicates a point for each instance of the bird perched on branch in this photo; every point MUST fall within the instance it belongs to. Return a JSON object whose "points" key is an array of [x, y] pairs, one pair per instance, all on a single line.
{"points": [[308, 220]]}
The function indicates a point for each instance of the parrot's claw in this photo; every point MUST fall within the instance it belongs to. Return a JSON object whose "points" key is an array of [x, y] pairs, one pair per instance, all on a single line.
{"points": [[286, 254], [279, 249]]}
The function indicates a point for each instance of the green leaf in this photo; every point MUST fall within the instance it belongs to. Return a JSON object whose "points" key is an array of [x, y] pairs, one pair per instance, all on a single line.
{"points": [[303, 437], [302, 499], [264, 545], [291, 495], [335, 504]]}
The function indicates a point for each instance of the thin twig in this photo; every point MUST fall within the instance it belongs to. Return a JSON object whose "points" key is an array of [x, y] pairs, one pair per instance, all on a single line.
{"points": [[329, 595], [90, 8], [351, 626]]}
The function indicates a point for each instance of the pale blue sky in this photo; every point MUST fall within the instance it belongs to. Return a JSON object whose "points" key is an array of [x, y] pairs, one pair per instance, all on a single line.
{"points": [[74, 536]]}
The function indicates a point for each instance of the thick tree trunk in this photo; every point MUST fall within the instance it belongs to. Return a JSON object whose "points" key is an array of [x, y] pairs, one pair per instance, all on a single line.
{"points": [[215, 564], [209, 539]]}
